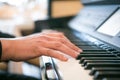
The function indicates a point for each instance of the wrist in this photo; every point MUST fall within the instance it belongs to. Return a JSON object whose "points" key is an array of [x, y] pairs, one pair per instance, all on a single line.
{"points": [[0, 49], [5, 49]]}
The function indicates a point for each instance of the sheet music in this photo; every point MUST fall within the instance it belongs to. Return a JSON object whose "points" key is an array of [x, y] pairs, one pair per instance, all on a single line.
{"points": [[112, 25]]}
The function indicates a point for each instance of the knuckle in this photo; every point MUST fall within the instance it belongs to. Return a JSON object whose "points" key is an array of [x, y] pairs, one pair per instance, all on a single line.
{"points": [[48, 51], [61, 35], [42, 37], [57, 44], [45, 38], [63, 40]]}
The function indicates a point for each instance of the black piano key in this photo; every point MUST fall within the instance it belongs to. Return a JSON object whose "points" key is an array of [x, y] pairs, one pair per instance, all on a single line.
{"points": [[100, 61], [105, 47], [90, 65], [79, 45], [115, 52], [95, 55], [95, 69], [93, 49], [110, 49], [111, 79], [87, 53], [76, 41], [88, 47], [72, 37], [107, 74], [118, 54], [95, 52], [98, 58], [83, 44]]}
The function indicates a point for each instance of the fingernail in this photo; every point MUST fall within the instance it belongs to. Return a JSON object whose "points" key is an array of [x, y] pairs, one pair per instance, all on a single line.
{"points": [[80, 50], [65, 58], [76, 54]]}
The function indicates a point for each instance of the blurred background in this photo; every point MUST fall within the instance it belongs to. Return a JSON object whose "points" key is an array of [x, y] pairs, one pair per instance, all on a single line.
{"points": [[17, 18]]}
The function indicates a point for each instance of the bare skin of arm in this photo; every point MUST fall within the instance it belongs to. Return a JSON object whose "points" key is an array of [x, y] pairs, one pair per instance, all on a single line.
{"points": [[53, 44]]}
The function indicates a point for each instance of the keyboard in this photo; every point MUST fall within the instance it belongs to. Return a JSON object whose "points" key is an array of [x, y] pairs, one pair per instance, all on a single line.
{"points": [[99, 60], [91, 30]]}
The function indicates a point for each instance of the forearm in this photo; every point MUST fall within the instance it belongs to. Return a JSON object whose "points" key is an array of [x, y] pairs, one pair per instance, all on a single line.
{"points": [[3, 46], [13, 49]]}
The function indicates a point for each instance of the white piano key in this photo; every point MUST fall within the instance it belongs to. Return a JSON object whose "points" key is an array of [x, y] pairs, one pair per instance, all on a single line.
{"points": [[72, 70]]}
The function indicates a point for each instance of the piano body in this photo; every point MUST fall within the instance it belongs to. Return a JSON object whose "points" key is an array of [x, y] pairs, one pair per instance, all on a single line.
{"points": [[95, 29]]}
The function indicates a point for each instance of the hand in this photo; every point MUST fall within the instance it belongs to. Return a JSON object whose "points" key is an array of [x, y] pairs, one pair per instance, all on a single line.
{"points": [[53, 44]]}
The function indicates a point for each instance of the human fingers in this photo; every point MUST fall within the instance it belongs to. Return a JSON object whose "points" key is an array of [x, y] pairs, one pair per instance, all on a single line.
{"points": [[60, 47], [53, 53], [61, 38], [69, 44]]}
